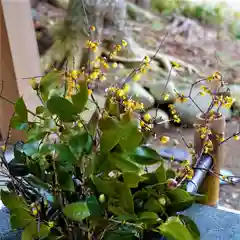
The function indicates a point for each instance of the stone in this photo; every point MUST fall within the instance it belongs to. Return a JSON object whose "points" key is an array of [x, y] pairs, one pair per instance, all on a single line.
{"points": [[138, 93], [161, 117], [130, 57], [235, 92], [235, 195], [188, 110], [158, 87]]}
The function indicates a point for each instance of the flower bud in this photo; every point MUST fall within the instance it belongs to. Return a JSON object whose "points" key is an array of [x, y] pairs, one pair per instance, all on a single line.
{"points": [[102, 198]]}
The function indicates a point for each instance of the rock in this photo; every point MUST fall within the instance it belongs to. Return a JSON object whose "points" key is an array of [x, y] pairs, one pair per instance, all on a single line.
{"points": [[138, 93], [131, 56], [235, 195], [158, 87], [235, 92], [188, 110], [161, 118]]}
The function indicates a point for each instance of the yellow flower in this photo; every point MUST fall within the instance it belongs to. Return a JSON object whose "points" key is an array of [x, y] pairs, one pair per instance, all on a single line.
{"points": [[80, 124], [34, 211], [120, 92], [142, 123], [236, 137], [118, 47], [92, 28], [143, 69], [202, 93], [190, 172], [164, 139], [51, 224], [181, 98], [126, 88], [147, 59], [124, 43], [166, 96], [74, 74], [147, 117], [217, 76], [89, 92], [112, 54], [114, 65], [139, 106], [102, 78], [175, 65], [3, 147], [105, 65], [137, 77], [34, 83]]}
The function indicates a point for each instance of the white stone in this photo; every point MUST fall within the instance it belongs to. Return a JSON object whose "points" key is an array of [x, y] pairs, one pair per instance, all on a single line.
{"points": [[138, 93], [161, 117], [159, 87]]}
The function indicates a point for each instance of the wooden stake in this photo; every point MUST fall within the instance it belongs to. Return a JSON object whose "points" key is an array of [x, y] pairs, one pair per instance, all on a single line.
{"points": [[211, 183]]}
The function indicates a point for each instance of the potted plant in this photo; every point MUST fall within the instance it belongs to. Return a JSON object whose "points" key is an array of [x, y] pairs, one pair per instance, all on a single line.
{"points": [[76, 179]]}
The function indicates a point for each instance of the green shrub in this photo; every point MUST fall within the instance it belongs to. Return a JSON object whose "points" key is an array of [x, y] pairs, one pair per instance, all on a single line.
{"points": [[73, 179]]}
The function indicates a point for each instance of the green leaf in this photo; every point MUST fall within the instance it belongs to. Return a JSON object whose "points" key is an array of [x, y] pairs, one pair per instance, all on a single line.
{"points": [[40, 110], [65, 180], [77, 211], [18, 124], [64, 153], [126, 200], [145, 156], [191, 226], [119, 235], [80, 144], [112, 108], [12, 201], [131, 137], [21, 110], [107, 187], [31, 231], [161, 174], [20, 218], [63, 108], [80, 99], [31, 147], [36, 182], [36, 133], [18, 167], [94, 207], [148, 217], [132, 179], [153, 205], [174, 229], [108, 122], [121, 213], [109, 140], [170, 174], [123, 162], [48, 82], [180, 199]]}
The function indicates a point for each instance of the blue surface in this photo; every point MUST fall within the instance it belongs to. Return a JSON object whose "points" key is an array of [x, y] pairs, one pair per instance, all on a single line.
{"points": [[214, 224], [179, 154]]}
